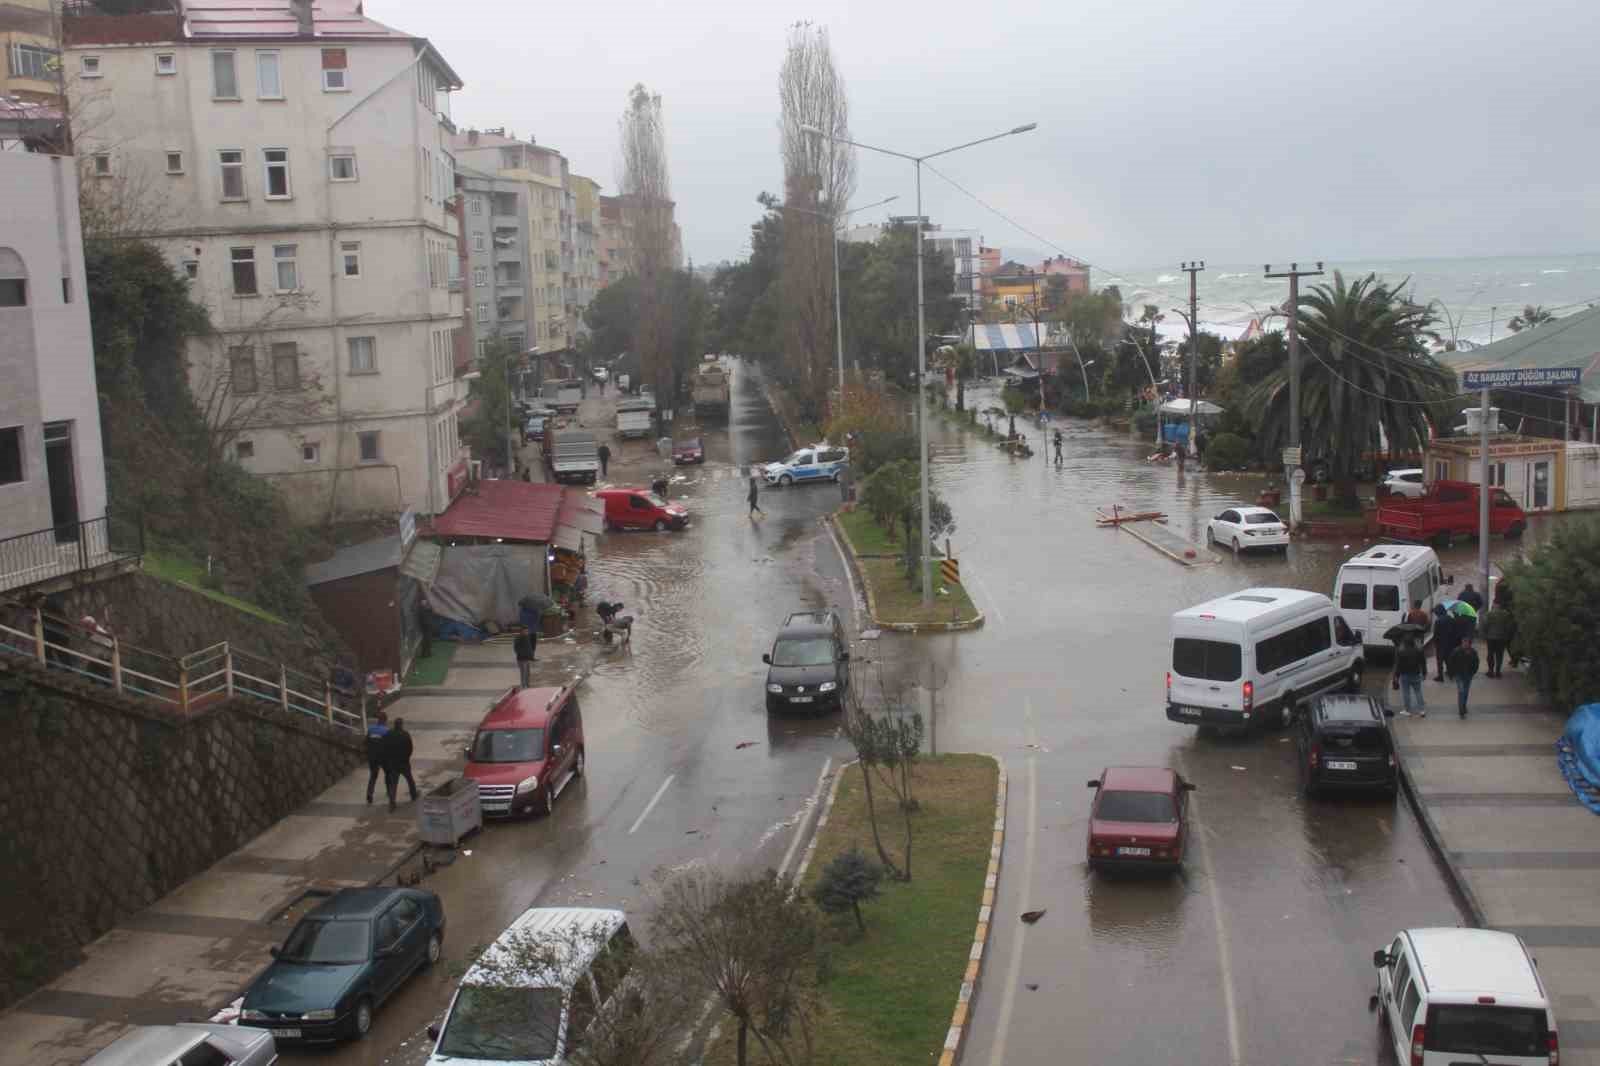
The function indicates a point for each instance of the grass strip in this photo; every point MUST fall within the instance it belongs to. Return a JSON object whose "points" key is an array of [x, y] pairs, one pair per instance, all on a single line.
{"points": [[431, 671], [188, 573], [895, 599]]}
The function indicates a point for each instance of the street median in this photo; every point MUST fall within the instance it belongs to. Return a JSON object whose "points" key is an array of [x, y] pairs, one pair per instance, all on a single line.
{"points": [[893, 601]]}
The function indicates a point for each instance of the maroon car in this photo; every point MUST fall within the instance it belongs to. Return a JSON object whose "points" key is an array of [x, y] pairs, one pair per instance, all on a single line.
{"points": [[688, 451], [1139, 819]]}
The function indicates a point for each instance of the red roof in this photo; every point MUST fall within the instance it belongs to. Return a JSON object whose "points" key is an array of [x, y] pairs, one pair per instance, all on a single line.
{"points": [[509, 510]]}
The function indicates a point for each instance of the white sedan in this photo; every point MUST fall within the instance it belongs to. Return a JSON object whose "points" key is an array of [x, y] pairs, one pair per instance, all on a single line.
{"points": [[1405, 483], [1244, 528]]}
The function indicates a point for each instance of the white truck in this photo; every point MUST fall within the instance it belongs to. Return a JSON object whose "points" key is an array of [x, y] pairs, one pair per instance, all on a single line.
{"points": [[564, 395], [635, 416], [571, 455]]}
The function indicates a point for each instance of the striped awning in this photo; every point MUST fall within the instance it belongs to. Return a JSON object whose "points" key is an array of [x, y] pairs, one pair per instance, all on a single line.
{"points": [[1004, 338]]}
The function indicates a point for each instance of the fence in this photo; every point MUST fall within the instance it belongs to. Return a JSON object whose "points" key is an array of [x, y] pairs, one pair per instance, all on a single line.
{"points": [[57, 552], [190, 683]]}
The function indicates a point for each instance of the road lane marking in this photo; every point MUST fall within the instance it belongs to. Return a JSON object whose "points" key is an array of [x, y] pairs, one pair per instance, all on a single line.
{"points": [[849, 578], [648, 807], [1223, 956], [806, 810], [994, 604], [1014, 971]]}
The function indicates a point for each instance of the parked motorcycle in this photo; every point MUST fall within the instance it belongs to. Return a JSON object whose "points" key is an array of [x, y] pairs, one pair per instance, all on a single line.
{"points": [[616, 627]]}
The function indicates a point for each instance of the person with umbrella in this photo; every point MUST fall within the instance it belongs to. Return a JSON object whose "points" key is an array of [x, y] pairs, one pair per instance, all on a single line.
{"points": [[1466, 616]]}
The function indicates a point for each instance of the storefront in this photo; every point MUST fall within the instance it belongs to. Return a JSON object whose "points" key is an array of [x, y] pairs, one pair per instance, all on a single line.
{"points": [[1541, 474]]}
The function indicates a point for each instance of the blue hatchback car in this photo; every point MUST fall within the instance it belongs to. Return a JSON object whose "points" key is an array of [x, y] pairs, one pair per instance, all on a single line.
{"points": [[343, 959]]}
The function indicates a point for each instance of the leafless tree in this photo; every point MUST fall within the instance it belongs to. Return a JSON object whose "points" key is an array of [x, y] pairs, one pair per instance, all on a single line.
{"points": [[648, 224], [818, 178], [887, 738]]}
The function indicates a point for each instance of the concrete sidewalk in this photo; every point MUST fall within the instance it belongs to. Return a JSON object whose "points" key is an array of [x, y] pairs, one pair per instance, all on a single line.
{"points": [[193, 951], [1521, 848]]}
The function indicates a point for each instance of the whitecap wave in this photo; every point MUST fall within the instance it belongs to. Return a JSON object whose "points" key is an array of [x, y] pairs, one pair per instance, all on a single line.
{"points": [[1225, 277], [1555, 271], [1525, 285], [1167, 279]]}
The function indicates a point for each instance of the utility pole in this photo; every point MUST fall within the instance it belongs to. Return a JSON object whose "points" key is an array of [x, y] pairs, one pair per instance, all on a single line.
{"points": [[1194, 348], [1492, 311], [1294, 274]]}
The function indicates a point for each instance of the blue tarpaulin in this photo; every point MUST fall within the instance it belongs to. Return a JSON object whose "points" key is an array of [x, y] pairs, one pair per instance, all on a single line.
{"points": [[1578, 753]]}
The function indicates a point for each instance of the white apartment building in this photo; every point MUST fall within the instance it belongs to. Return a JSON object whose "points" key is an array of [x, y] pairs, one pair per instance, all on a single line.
{"points": [[52, 468], [299, 156], [499, 275], [586, 247]]}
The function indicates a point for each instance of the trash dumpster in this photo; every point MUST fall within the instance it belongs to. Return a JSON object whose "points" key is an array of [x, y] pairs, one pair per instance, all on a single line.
{"points": [[449, 812]]}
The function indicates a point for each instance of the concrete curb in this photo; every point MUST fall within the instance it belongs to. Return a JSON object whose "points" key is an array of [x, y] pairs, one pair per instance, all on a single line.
{"points": [[822, 820], [853, 560], [1198, 560], [955, 1038], [1430, 829]]}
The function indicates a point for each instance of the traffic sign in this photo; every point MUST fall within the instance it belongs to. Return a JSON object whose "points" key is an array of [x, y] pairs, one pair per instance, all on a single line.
{"points": [[1291, 456], [950, 570], [1523, 377], [1298, 477]]}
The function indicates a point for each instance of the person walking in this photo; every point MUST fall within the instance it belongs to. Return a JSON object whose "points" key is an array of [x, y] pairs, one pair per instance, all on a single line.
{"points": [[1466, 617], [1057, 440], [377, 732], [525, 646], [754, 495], [1498, 628], [1411, 666], [605, 458], [1418, 616], [1463, 665], [1444, 639], [397, 748], [1472, 596]]}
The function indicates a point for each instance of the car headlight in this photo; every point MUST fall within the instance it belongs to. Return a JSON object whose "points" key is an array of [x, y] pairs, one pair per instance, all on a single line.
{"points": [[252, 1016], [320, 1015], [527, 784], [771, 687], [827, 686]]}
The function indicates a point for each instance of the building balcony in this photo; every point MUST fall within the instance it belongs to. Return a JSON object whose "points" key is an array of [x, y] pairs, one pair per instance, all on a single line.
{"points": [[67, 551]]}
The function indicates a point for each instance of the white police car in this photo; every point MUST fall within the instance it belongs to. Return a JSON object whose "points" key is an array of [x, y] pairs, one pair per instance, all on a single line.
{"points": [[820, 462]]}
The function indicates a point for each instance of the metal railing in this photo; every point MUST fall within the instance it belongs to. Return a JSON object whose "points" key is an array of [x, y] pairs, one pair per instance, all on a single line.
{"points": [[30, 558], [189, 683]]}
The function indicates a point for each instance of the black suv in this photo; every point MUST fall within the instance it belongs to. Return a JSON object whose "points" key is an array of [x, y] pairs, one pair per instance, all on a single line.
{"points": [[809, 665], [1344, 742]]}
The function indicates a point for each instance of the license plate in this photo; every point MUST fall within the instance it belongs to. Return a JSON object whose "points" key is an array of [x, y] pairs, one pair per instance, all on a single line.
{"points": [[1189, 712], [286, 1034], [1333, 765], [1143, 853], [800, 699]]}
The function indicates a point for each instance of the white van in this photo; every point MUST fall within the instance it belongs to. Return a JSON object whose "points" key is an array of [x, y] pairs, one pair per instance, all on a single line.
{"points": [[1375, 589], [532, 995], [1253, 657], [1465, 995]]}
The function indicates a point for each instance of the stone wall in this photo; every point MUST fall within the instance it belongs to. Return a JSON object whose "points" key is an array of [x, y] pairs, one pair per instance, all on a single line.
{"points": [[107, 804]]}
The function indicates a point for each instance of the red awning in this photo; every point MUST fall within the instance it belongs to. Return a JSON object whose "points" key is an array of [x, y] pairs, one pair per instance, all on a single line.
{"points": [[505, 509]]}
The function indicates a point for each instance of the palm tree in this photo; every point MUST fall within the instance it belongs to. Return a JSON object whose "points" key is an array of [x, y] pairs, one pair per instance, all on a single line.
{"points": [[1365, 367], [1530, 318]]}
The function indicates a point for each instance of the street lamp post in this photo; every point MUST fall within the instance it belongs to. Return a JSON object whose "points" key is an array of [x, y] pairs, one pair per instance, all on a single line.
{"points": [[922, 336]]}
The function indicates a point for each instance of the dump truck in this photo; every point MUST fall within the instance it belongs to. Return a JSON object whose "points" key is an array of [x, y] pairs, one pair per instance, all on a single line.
{"points": [[571, 454], [711, 388]]}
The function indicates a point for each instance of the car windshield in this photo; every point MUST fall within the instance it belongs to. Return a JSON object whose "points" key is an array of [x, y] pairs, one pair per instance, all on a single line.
{"points": [[1261, 518], [1205, 660], [689, 445], [803, 651], [654, 499], [507, 1024], [1483, 1030], [798, 459], [1120, 806], [508, 745], [323, 941], [1365, 741]]}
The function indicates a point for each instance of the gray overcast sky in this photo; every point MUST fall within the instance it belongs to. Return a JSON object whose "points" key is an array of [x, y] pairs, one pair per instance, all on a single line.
{"points": [[1232, 130]]}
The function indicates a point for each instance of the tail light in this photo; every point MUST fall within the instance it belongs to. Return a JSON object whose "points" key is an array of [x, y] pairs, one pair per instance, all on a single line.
{"points": [[1249, 695], [1316, 755], [1555, 1049], [1417, 1034], [1391, 760], [1169, 686]]}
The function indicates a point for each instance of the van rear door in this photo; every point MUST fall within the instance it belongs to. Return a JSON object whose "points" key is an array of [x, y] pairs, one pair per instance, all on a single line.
{"points": [[1354, 597], [1513, 1036], [1207, 673]]}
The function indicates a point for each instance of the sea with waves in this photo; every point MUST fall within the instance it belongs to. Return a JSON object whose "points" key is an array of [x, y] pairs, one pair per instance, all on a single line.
{"points": [[1475, 297]]}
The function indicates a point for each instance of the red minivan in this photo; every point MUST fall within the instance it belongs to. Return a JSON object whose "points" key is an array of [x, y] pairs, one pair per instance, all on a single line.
{"points": [[641, 509], [527, 749]]}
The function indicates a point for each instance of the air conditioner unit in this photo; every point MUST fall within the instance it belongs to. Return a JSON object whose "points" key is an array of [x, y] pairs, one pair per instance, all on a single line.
{"points": [[1474, 423]]}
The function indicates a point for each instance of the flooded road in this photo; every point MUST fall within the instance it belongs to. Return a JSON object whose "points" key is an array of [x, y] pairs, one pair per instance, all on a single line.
{"points": [[1261, 952]]}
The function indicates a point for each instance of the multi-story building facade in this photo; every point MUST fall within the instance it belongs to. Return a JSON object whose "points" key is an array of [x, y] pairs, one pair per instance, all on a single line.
{"points": [[616, 239], [32, 56], [299, 157], [498, 279], [586, 244], [1075, 273], [52, 470], [961, 249]]}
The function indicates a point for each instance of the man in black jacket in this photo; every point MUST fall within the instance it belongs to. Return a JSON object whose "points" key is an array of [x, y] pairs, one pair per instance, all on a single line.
{"points": [[377, 733], [397, 748]]}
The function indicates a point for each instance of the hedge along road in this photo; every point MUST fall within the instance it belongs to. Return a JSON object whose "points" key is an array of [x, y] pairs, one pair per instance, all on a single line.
{"points": [[1283, 900]]}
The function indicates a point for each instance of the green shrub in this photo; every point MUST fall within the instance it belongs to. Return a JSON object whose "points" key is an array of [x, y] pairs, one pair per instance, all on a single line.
{"points": [[1226, 451], [875, 448], [1558, 611]]}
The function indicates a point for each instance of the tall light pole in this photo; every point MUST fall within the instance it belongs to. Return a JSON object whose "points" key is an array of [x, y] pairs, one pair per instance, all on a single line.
{"points": [[922, 337], [1193, 269], [838, 307], [1294, 274]]}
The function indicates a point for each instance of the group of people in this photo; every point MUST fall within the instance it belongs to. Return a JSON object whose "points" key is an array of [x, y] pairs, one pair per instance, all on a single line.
{"points": [[1454, 630], [389, 750]]}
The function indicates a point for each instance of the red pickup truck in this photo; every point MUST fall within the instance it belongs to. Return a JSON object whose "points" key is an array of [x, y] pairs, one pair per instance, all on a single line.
{"points": [[1447, 510]]}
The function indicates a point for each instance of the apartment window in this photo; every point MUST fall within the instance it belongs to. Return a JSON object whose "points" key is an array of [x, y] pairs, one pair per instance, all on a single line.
{"points": [[276, 161], [174, 162], [286, 265], [334, 62], [480, 277], [286, 366], [231, 163], [102, 164], [367, 446], [66, 291], [224, 77], [363, 355], [483, 312], [166, 63], [31, 61], [244, 271], [269, 76], [89, 66], [191, 269], [429, 175], [477, 205], [242, 370], [350, 256], [477, 242], [342, 166], [10, 455], [311, 452], [244, 449]]}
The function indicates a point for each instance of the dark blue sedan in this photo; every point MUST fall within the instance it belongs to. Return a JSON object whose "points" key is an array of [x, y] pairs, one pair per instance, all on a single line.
{"points": [[342, 960]]}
